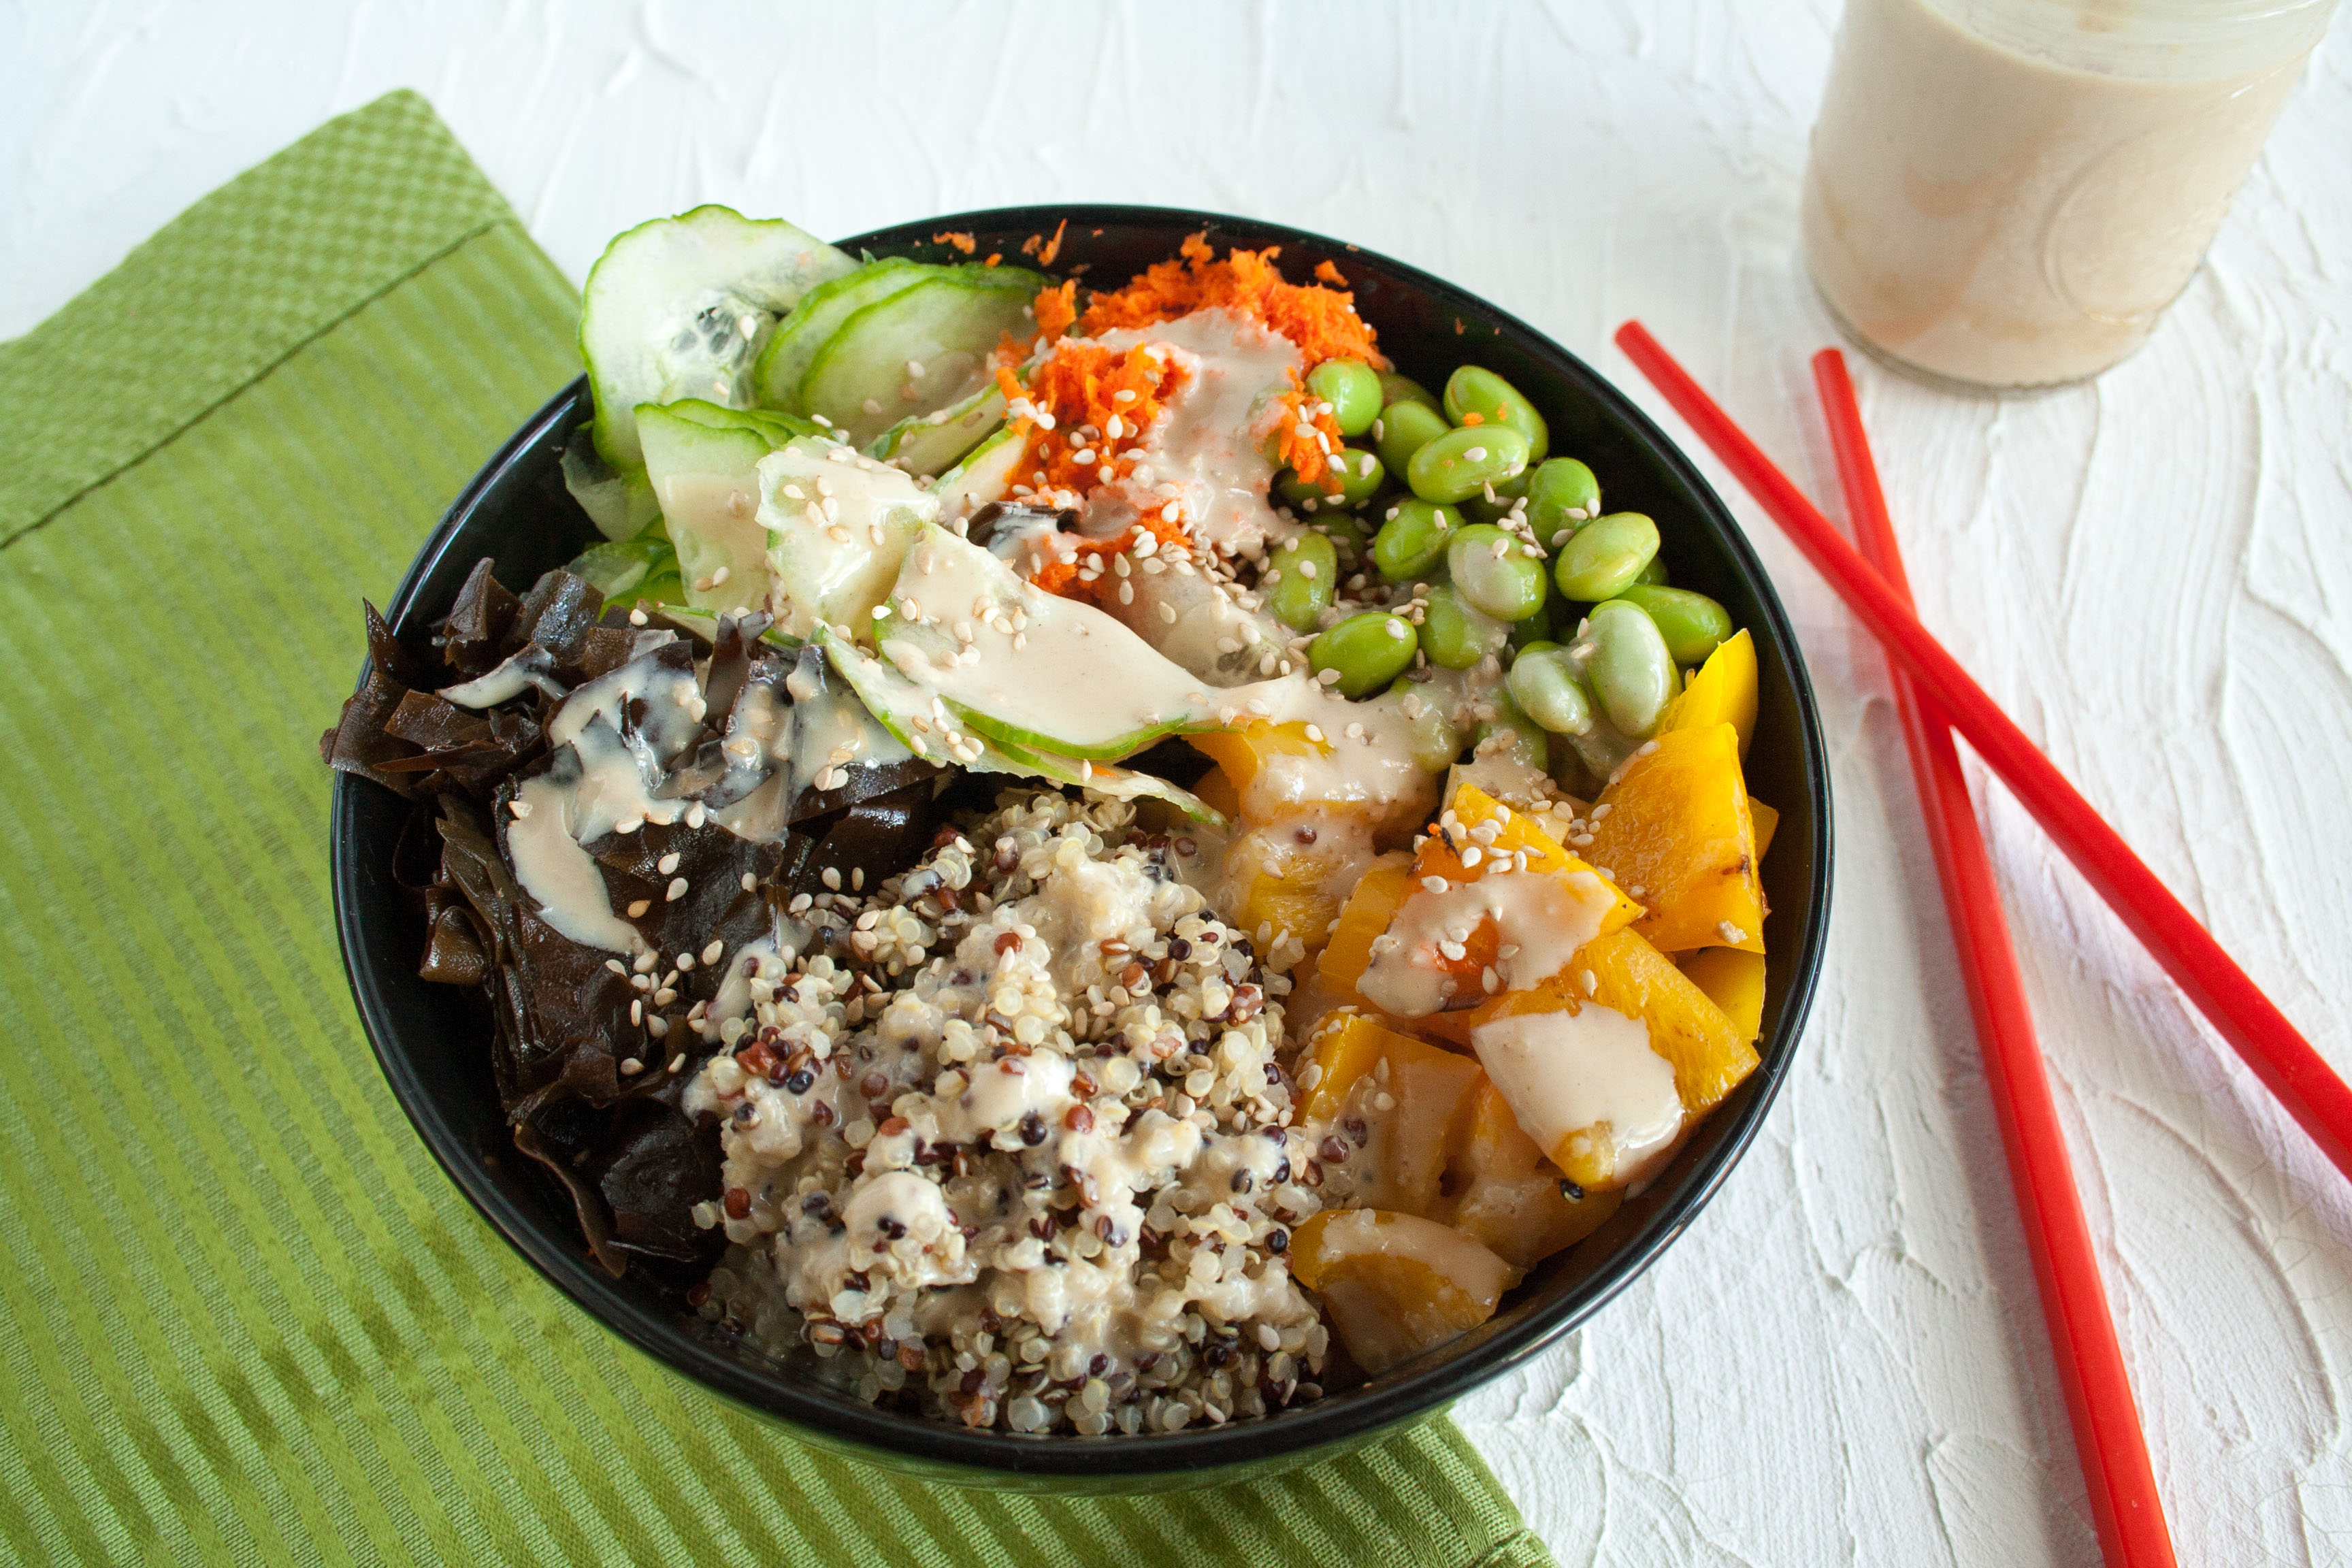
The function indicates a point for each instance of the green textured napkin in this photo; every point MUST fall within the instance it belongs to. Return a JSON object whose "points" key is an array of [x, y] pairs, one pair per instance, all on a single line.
{"points": [[243, 1316]]}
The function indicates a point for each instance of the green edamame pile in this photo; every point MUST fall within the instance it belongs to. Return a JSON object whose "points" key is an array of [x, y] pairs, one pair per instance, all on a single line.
{"points": [[1451, 546]]}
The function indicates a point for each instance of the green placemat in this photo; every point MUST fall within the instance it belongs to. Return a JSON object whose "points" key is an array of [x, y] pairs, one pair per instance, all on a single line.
{"points": [[243, 1316]]}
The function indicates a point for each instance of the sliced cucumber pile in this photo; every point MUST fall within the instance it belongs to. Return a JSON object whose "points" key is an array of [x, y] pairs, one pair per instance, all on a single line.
{"points": [[916, 350], [1027, 668], [777, 376], [681, 307], [839, 525], [704, 464]]}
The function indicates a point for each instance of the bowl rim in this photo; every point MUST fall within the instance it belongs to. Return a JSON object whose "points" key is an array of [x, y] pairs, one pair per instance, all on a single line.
{"points": [[993, 1457]]}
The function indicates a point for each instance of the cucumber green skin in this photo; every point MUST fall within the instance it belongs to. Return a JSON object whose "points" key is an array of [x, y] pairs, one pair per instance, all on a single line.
{"points": [[919, 447], [776, 376], [964, 309], [985, 474], [893, 700], [622, 331]]}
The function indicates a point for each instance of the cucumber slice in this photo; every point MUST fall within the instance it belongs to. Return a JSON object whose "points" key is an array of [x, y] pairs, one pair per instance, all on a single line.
{"points": [[927, 444], [618, 567], [923, 348], [904, 709], [703, 461], [620, 505], [839, 525], [680, 307], [985, 474], [776, 378], [1027, 668]]}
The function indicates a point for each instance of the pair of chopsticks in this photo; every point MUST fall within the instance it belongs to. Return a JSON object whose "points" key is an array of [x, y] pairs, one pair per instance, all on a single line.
{"points": [[1936, 696]]}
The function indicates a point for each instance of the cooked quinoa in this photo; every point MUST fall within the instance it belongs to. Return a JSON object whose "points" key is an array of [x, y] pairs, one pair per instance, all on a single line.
{"points": [[1007, 1140]]}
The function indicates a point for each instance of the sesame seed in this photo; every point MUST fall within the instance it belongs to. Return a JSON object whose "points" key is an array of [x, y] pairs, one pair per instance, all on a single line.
{"points": [[676, 889], [637, 909]]}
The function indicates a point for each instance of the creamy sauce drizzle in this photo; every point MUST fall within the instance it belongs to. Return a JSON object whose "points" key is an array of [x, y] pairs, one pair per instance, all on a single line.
{"points": [[1563, 1073], [1541, 919], [1202, 449]]}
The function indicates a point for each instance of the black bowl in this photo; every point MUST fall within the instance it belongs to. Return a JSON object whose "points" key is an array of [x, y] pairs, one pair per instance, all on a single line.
{"points": [[433, 1041]]}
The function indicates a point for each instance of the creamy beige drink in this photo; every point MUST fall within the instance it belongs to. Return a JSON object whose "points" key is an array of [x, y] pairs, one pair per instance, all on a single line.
{"points": [[2009, 194]]}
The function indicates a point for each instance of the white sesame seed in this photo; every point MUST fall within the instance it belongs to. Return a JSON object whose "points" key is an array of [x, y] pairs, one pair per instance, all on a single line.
{"points": [[676, 889], [638, 908]]}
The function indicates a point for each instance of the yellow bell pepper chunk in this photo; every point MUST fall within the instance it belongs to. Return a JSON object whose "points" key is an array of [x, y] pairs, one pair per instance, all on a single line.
{"points": [[1722, 692], [1395, 1284], [1509, 1199], [1675, 824], [1733, 980], [1621, 971], [1357, 1063]]}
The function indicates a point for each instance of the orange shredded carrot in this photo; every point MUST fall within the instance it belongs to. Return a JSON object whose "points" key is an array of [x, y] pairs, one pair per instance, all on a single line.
{"points": [[1473, 417], [1077, 388], [1054, 245], [1029, 245], [1329, 274], [1321, 322], [1056, 310], [958, 238], [1297, 443], [993, 258]]}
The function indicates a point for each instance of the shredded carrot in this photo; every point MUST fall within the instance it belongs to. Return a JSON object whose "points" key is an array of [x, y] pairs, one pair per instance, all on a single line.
{"points": [[1066, 410], [958, 238], [1054, 245], [1321, 322], [993, 258], [1305, 440], [1329, 274], [1473, 417], [1056, 310], [1029, 245]]}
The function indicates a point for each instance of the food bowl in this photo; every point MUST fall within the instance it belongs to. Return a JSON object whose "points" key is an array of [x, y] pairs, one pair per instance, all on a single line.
{"points": [[433, 1040]]}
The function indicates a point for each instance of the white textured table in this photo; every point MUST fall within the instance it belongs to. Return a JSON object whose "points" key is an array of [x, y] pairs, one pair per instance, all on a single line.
{"points": [[1844, 1361]]}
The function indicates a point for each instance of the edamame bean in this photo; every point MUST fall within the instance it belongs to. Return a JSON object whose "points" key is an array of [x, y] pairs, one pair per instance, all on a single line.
{"points": [[1562, 496], [1603, 557], [1492, 571], [1473, 390], [1367, 651], [1360, 474], [1691, 622], [1507, 495], [1628, 664], [1529, 742], [1462, 463], [1414, 539], [1456, 636], [1305, 573], [1434, 740], [1655, 573], [1396, 389], [1529, 630], [1405, 428], [1351, 389], [1548, 690]]}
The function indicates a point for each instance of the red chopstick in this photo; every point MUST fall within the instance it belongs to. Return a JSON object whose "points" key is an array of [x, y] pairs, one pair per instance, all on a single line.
{"points": [[2284, 1061], [2107, 1439]]}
